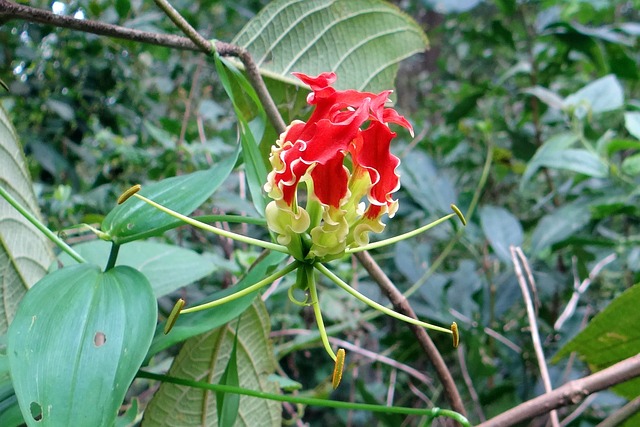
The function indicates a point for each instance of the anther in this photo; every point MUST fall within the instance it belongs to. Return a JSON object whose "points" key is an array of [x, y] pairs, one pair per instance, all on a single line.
{"points": [[175, 312], [337, 370], [130, 192]]}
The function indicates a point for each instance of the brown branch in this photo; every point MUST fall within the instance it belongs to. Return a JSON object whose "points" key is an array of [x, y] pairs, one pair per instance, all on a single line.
{"points": [[401, 305], [10, 10], [571, 393]]}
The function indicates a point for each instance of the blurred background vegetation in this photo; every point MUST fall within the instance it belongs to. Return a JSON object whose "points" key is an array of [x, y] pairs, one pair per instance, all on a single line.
{"points": [[502, 79]]}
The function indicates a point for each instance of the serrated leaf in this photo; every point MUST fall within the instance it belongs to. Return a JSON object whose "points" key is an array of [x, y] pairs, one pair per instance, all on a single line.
{"points": [[134, 219], [615, 330], [361, 40], [501, 229], [203, 358], [77, 341], [25, 253], [167, 267], [193, 324]]}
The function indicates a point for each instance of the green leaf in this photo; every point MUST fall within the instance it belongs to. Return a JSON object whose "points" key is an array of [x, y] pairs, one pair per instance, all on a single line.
{"points": [[227, 404], [134, 219], [559, 225], [501, 229], [25, 253], [614, 329], [129, 417], [189, 325], [293, 35], [249, 138], [167, 267], [77, 340], [558, 147], [631, 165], [600, 96], [204, 358], [632, 123]]}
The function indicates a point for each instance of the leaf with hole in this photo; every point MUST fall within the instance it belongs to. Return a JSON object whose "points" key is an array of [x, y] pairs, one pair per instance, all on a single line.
{"points": [[76, 343]]}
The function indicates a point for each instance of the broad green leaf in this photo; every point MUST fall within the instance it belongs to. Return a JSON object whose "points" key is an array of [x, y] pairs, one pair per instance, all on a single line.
{"points": [[204, 358], [602, 95], [430, 188], [576, 160], [501, 229], [167, 267], [135, 220], [631, 165], [548, 150], [615, 329], [189, 325], [632, 123], [25, 253], [77, 340], [559, 225], [361, 40]]}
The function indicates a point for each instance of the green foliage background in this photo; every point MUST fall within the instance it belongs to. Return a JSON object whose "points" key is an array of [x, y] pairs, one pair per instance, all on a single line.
{"points": [[548, 91]]}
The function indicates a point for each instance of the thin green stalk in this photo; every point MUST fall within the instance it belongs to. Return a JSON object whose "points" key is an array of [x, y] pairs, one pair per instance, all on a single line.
{"points": [[297, 400], [400, 237], [264, 282], [113, 256], [315, 303], [215, 230], [338, 281], [486, 168], [36, 223]]}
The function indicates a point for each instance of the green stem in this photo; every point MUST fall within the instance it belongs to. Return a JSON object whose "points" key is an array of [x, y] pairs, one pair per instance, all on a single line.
{"points": [[297, 400], [264, 282], [400, 237], [36, 223], [215, 230], [113, 256], [371, 303], [315, 303], [486, 168]]}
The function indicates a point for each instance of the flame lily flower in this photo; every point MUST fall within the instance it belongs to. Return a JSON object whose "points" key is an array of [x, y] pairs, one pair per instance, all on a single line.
{"points": [[341, 154]]}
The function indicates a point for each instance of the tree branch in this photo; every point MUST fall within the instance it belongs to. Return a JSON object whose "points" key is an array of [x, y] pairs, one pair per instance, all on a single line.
{"points": [[401, 305], [569, 394], [10, 10]]}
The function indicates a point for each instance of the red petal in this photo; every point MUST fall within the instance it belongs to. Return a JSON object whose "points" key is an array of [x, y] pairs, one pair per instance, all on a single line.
{"points": [[372, 153]]}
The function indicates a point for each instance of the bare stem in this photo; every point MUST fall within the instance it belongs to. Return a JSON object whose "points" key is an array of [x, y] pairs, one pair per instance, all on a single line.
{"points": [[570, 393], [518, 259]]}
